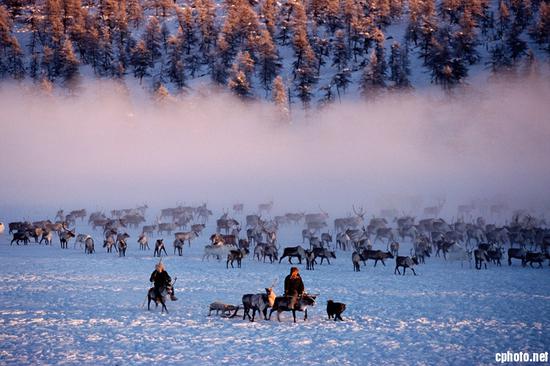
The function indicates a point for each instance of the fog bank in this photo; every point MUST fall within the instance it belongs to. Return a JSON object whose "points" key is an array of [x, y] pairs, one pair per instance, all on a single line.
{"points": [[106, 149]]}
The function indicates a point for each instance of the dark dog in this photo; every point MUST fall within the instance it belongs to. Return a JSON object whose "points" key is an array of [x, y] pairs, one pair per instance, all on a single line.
{"points": [[335, 310]]}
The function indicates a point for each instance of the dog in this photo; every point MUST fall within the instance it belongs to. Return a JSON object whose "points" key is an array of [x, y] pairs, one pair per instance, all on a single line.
{"points": [[226, 309], [335, 310]]}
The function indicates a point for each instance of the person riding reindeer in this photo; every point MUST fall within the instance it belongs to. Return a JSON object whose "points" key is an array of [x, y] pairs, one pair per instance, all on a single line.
{"points": [[294, 286], [161, 280]]}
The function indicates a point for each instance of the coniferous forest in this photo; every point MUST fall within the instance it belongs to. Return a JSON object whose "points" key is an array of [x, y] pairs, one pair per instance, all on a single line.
{"points": [[307, 52]]}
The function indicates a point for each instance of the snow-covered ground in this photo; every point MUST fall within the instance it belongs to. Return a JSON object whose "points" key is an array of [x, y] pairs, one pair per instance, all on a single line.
{"points": [[64, 307]]}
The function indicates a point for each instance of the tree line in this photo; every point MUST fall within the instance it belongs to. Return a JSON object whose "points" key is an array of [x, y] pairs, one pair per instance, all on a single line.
{"points": [[280, 50]]}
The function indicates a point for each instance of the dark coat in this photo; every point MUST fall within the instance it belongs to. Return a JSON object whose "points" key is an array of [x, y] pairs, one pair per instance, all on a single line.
{"points": [[161, 279], [293, 286]]}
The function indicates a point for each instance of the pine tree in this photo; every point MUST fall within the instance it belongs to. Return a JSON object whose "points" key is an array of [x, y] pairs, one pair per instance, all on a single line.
{"points": [[522, 13], [206, 10], [47, 63], [239, 83], [268, 13], [503, 18], [517, 47], [399, 67], [268, 60], [187, 27], [14, 7], [165, 34], [372, 81], [152, 38], [134, 12], [305, 79], [341, 54], [396, 8], [464, 41], [541, 30], [328, 95], [176, 68], [53, 20], [140, 60], [11, 62], [107, 56], [161, 94], [342, 79], [69, 63], [500, 61], [445, 69], [279, 96]]}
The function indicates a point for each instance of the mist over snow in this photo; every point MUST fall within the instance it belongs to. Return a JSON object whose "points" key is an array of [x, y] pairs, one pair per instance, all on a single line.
{"points": [[107, 148]]}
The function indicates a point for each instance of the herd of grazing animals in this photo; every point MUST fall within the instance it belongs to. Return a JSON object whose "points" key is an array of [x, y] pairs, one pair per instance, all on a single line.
{"points": [[525, 238]]}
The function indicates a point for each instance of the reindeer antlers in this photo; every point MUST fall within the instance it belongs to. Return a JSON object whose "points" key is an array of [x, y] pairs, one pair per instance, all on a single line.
{"points": [[361, 210]]}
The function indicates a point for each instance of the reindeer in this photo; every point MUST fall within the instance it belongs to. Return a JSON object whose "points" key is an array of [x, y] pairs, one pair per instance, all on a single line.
{"points": [[393, 247], [295, 217], [20, 236], [148, 229], [226, 224], [258, 302], [253, 221], [310, 260], [481, 257], [109, 243], [405, 262], [265, 207], [271, 252], [65, 237], [282, 303], [384, 232], [189, 235], [342, 224], [356, 259], [236, 255], [290, 252], [178, 244], [326, 238], [166, 227], [159, 247], [89, 245], [47, 236], [433, 211], [238, 208], [122, 247], [143, 242]]}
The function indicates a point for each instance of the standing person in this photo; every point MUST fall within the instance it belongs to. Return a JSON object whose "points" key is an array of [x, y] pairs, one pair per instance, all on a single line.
{"points": [[294, 286], [161, 280]]}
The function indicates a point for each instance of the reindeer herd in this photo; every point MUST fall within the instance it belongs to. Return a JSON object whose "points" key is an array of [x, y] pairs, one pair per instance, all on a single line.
{"points": [[525, 237]]}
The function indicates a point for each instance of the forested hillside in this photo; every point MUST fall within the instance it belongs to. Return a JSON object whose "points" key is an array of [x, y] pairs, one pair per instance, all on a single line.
{"points": [[308, 52]]}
